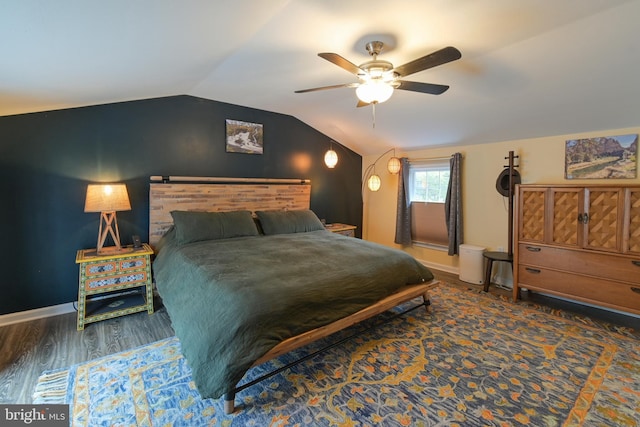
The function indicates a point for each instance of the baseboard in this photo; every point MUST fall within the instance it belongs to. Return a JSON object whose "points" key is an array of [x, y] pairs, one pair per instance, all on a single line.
{"points": [[441, 267], [586, 304], [38, 313]]}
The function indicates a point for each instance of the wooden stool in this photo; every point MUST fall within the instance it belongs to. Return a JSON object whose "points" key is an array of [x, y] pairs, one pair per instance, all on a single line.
{"points": [[491, 257]]}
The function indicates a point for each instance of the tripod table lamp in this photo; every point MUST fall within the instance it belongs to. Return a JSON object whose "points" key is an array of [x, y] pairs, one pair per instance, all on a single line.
{"points": [[107, 199]]}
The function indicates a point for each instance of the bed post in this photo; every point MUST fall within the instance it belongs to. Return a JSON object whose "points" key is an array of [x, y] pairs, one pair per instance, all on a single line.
{"points": [[426, 300], [229, 402]]}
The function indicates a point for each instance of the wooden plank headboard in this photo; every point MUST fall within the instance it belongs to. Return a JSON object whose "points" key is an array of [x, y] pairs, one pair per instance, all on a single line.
{"points": [[216, 197]]}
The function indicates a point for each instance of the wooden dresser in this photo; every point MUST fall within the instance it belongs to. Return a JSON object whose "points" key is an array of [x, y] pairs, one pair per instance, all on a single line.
{"points": [[579, 242]]}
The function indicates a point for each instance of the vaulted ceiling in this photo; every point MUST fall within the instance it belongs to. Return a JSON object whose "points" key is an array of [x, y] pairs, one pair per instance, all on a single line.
{"points": [[529, 68]]}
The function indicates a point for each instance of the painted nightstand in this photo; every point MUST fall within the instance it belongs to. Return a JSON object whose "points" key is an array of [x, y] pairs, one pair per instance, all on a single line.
{"points": [[107, 283], [345, 229]]}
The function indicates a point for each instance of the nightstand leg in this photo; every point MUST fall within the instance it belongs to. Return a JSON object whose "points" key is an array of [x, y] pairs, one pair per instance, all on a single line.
{"points": [[150, 298], [81, 308]]}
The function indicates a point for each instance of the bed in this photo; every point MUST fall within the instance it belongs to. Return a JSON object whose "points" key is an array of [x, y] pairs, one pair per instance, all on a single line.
{"points": [[243, 283]]}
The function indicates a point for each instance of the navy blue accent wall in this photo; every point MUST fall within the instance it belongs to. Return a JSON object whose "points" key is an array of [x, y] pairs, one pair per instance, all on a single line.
{"points": [[47, 159]]}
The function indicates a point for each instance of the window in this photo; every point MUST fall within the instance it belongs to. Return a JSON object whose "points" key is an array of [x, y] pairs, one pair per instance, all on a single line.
{"points": [[428, 183]]}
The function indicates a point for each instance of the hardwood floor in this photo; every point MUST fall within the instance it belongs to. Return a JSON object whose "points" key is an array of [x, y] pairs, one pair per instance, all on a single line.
{"points": [[29, 348]]}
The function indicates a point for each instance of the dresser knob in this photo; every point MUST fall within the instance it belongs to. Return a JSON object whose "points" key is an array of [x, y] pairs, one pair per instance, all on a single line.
{"points": [[533, 249], [583, 218], [636, 290], [635, 262], [532, 270]]}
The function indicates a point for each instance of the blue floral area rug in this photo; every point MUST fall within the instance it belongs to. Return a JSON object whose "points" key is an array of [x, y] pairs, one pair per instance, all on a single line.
{"points": [[472, 360]]}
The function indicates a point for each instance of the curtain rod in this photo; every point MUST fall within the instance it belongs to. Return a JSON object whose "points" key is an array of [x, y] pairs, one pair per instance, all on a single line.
{"points": [[430, 158], [214, 179]]}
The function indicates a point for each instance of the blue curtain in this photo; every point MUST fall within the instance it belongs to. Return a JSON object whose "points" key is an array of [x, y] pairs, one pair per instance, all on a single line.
{"points": [[453, 205], [403, 211]]}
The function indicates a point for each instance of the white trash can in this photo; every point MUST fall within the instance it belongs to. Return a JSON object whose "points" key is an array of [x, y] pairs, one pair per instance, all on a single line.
{"points": [[471, 268]]}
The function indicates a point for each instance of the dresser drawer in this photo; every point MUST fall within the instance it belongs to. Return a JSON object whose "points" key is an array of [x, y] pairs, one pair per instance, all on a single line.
{"points": [[588, 289], [606, 266]]}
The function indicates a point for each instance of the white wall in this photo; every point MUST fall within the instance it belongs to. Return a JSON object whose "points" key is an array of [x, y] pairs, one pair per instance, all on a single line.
{"points": [[541, 160]]}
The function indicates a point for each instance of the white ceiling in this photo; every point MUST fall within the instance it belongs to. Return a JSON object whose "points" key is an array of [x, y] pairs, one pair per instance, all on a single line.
{"points": [[529, 68]]}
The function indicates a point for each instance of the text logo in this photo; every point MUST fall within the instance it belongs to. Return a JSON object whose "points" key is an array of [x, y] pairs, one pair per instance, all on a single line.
{"points": [[34, 415]]}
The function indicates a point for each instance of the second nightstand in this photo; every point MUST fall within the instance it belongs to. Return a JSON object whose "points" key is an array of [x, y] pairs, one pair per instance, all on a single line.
{"points": [[345, 229]]}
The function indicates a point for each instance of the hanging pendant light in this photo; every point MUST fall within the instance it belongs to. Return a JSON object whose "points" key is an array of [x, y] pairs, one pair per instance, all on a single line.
{"points": [[393, 165], [331, 157], [373, 182]]}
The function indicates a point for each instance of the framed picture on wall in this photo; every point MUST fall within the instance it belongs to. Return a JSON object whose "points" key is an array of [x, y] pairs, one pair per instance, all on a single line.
{"points": [[601, 158], [244, 137]]}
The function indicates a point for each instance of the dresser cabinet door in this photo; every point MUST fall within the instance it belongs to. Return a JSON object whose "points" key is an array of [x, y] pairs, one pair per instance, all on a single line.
{"points": [[564, 222], [632, 221], [605, 222], [532, 208]]}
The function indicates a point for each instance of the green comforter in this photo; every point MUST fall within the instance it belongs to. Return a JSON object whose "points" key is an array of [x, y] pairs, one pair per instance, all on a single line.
{"points": [[230, 301]]}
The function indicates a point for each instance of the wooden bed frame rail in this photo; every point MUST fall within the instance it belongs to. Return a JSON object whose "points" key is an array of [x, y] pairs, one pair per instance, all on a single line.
{"points": [[405, 295]]}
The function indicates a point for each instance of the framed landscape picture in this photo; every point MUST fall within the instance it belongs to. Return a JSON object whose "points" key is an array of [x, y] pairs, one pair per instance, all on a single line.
{"points": [[244, 137], [602, 157]]}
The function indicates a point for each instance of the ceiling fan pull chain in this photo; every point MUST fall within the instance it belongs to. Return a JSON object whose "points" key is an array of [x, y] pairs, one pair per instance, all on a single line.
{"points": [[373, 114]]}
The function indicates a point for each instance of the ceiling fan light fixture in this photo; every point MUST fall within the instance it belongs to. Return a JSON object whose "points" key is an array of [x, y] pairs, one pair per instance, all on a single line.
{"points": [[374, 92], [378, 78]]}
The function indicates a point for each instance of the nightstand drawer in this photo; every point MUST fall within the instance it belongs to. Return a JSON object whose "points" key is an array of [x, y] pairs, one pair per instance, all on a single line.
{"points": [[100, 268], [120, 281]]}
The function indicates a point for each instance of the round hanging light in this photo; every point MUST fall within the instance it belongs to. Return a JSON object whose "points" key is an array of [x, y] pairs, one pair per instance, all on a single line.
{"points": [[373, 182], [374, 91], [393, 165], [331, 159]]}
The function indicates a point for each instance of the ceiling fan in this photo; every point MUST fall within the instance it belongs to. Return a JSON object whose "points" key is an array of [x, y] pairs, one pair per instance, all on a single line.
{"points": [[379, 78]]}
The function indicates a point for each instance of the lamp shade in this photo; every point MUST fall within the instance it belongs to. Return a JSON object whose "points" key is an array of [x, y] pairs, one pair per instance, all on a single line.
{"points": [[374, 91], [107, 198], [374, 182], [331, 159], [393, 165]]}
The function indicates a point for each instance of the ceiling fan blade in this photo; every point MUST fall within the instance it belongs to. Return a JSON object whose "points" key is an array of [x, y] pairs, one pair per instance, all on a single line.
{"points": [[342, 62], [436, 58], [327, 87], [430, 88], [362, 104]]}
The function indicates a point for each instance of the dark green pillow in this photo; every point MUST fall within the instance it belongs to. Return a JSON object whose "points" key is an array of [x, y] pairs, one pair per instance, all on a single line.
{"points": [[285, 222], [197, 226]]}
